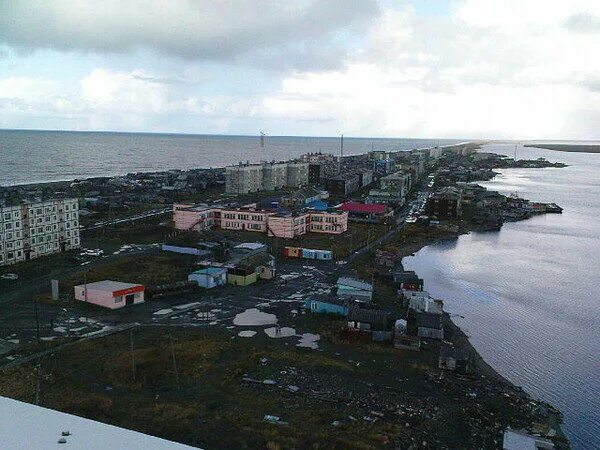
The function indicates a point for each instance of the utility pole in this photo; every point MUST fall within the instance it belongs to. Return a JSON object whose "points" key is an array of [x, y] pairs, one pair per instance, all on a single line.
{"points": [[38, 388], [37, 320], [174, 360], [341, 154], [132, 354]]}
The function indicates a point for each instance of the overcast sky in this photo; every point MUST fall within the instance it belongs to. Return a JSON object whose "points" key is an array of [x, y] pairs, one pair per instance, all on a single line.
{"points": [[421, 68]]}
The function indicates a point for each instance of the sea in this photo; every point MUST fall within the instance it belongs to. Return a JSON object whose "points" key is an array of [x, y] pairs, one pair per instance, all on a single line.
{"points": [[528, 296], [42, 156]]}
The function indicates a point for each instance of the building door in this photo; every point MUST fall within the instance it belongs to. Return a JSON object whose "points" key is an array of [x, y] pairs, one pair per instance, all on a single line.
{"points": [[129, 299]]}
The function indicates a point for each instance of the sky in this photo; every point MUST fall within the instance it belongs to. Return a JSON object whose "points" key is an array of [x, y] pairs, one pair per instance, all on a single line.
{"points": [[503, 69]]}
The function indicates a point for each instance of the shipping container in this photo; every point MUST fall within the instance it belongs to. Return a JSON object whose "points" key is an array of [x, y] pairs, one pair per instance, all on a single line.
{"points": [[324, 255], [295, 252], [307, 253]]}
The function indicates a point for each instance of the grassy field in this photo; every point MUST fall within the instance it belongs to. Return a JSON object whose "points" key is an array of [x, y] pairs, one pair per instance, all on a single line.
{"points": [[200, 399], [206, 388], [144, 269]]}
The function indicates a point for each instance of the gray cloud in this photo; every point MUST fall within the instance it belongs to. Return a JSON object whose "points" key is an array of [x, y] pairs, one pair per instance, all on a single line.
{"points": [[224, 30], [583, 23]]}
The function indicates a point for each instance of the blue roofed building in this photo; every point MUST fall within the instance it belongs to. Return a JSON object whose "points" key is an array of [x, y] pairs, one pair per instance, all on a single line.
{"points": [[326, 305], [210, 277]]}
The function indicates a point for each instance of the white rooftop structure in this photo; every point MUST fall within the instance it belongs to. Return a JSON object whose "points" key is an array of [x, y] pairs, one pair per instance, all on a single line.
{"points": [[354, 283], [521, 440], [250, 246], [29, 427]]}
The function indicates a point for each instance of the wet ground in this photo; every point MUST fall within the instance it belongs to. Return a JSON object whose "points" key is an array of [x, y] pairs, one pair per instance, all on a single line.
{"points": [[269, 308]]}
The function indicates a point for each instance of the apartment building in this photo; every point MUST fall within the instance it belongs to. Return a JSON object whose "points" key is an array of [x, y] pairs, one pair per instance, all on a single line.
{"points": [[400, 182], [274, 176], [246, 178], [31, 230], [243, 178], [343, 184], [297, 174], [250, 218]]}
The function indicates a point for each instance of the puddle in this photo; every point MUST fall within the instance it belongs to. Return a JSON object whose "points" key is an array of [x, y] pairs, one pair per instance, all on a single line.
{"points": [[254, 317], [162, 312]]}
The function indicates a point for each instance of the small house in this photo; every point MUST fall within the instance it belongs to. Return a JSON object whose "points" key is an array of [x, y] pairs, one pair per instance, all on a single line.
{"points": [[210, 277], [352, 288], [326, 305], [368, 319], [406, 342], [386, 259], [110, 294], [429, 325], [408, 280], [241, 276], [455, 359]]}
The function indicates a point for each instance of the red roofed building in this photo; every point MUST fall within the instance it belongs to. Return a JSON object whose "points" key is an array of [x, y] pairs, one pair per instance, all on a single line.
{"points": [[365, 212]]}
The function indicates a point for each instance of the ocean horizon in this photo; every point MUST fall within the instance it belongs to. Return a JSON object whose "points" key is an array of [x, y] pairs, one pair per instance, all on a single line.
{"points": [[40, 156]]}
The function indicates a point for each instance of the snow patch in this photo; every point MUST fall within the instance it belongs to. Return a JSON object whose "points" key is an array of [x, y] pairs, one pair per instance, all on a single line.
{"points": [[254, 317], [309, 340], [247, 333], [280, 332]]}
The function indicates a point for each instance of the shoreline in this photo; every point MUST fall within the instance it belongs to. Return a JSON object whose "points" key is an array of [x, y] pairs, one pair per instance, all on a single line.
{"points": [[567, 148], [482, 367]]}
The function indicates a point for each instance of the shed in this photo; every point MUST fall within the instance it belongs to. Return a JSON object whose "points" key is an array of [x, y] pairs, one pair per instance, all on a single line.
{"points": [[185, 250], [324, 255], [368, 319], [355, 289], [210, 277], [429, 325], [307, 253], [456, 359], [292, 252], [241, 277], [326, 306], [110, 294]]}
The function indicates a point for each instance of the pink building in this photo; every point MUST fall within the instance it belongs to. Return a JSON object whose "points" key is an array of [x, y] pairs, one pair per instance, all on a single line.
{"points": [[288, 226], [243, 219], [250, 218], [110, 294], [332, 222], [193, 217]]}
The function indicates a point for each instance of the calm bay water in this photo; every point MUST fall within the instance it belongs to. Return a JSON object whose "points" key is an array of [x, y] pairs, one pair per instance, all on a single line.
{"points": [[41, 156], [529, 295]]}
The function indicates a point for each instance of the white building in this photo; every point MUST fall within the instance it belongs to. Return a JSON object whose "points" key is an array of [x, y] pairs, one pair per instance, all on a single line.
{"points": [[110, 294], [31, 230]]}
